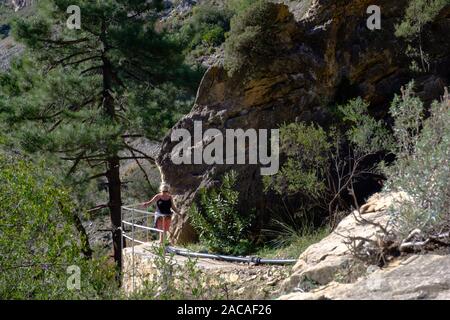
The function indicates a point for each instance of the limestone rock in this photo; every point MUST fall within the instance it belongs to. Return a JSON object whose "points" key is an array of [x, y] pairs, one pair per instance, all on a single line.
{"points": [[380, 202], [418, 277], [322, 261]]}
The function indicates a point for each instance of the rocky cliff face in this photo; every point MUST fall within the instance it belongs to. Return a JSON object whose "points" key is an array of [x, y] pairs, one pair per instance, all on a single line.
{"points": [[328, 56], [413, 278]]}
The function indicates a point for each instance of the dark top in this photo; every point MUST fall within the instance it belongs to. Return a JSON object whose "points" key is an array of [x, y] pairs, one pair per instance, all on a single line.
{"points": [[164, 206]]}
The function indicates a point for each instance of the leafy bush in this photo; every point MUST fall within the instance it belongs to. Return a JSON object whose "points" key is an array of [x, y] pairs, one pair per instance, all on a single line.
{"points": [[215, 36], [306, 147], [178, 281], [217, 219], [207, 25], [38, 240], [239, 6], [252, 38], [422, 168], [321, 165], [417, 15]]}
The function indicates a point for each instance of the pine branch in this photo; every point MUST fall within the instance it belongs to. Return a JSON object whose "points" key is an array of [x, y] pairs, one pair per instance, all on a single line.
{"points": [[143, 171], [148, 74], [60, 61], [82, 60], [146, 156], [83, 104], [133, 158], [91, 69], [42, 118], [74, 166], [64, 42], [125, 136], [98, 207], [97, 176], [84, 238], [99, 157], [55, 125]]}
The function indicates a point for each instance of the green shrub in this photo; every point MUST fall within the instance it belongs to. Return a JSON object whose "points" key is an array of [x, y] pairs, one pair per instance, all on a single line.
{"points": [[215, 36], [321, 165], [218, 221], [422, 169], [365, 134], [252, 38], [38, 241], [307, 150], [178, 281], [407, 111], [290, 239], [239, 6], [417, 15], [207, 26]]}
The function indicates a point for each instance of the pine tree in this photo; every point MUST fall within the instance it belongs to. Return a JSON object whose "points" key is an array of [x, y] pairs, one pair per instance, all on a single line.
{"points": [[83, 93]]}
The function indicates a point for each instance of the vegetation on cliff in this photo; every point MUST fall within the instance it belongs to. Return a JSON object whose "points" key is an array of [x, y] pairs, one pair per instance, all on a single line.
{"points": [[418, 14], [253, 37], [422, 167]]}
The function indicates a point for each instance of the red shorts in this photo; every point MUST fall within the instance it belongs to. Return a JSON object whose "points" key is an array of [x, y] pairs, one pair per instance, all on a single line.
{"points": [[163, 223]]}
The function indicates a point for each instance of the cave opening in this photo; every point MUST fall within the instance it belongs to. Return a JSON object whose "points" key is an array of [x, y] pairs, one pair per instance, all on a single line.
{"points": [[345, 91]]}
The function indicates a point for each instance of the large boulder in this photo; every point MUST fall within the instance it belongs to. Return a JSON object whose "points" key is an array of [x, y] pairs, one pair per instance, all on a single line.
{"points": [[322, 262], [326, 56], [417, 277]]}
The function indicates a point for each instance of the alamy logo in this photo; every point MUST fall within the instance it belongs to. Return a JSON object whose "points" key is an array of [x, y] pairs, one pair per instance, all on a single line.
{"points": [[74, 280], [211, 147], [74, 20], [374, 21]]}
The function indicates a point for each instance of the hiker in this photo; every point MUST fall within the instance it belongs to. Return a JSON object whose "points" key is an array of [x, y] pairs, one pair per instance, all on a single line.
{"points": [[164, 207]]}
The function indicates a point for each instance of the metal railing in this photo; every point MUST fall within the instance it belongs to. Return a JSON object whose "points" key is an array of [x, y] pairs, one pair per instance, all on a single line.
{"points": [[135, 214]]}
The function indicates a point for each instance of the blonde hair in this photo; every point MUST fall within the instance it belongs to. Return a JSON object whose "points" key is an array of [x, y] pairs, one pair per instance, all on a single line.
{"points": [[164, 187]]}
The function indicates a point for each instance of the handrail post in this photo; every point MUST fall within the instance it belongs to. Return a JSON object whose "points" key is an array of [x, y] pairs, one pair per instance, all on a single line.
{"points": [[121, 231], [147, 231], [132, 250]]}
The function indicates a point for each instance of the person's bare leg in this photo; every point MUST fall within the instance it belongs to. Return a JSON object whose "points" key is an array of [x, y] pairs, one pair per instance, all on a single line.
{"points": [[163, 228], [159, 227]]}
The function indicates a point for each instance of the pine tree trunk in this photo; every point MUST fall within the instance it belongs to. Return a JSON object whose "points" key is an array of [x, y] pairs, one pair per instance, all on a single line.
{"points": [[115, 204], [113, 171]]}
